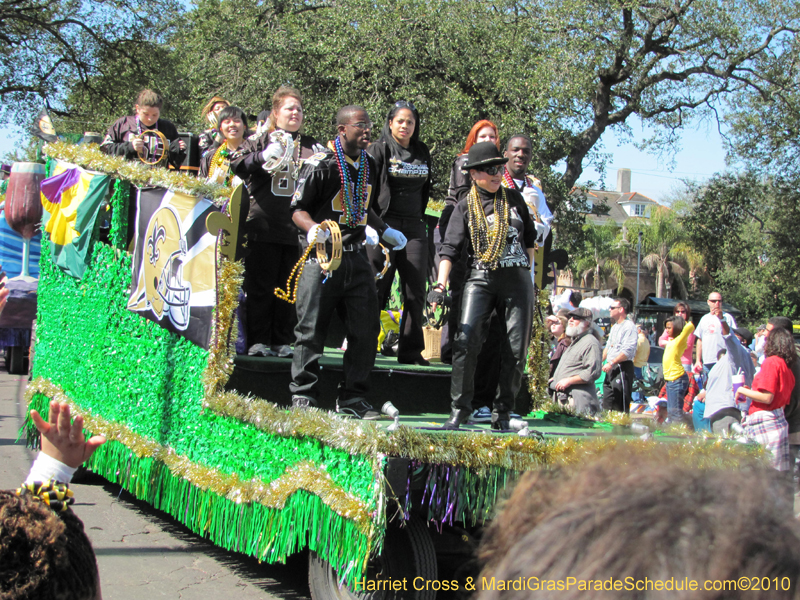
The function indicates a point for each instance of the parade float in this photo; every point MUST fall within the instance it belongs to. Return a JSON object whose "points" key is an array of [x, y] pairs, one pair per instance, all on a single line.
{"points": [[139, 286]]}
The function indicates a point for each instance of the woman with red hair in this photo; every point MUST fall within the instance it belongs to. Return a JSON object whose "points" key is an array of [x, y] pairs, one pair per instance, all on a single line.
{"points": [[460, 184]]}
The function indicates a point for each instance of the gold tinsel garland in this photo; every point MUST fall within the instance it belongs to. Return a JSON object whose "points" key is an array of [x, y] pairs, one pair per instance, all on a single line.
{"points": [[273, 494], [538, 359], [222, 348], [91, 157]]}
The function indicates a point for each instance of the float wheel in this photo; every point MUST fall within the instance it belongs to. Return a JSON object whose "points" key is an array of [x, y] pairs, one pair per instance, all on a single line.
{"points": [[408, 552]]}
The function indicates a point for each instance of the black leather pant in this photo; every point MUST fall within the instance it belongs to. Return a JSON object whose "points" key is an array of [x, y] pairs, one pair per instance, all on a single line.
{"points": [[509, 291]]}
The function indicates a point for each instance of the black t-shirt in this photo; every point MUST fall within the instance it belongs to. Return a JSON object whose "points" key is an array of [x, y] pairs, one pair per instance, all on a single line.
{"points": [[521, 231], [405, 176]]}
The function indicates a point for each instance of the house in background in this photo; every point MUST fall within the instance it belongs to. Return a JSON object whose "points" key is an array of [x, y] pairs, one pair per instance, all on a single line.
{"points": [[622, 204]]}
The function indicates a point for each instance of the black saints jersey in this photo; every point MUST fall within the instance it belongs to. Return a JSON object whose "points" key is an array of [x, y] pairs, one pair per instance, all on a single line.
{"points": [[270, 216], [319, 193], [119, 138]]}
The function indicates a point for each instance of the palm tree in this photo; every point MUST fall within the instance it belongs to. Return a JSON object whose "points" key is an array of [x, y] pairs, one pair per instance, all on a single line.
{"points": [[601, 258], [663, 240]]}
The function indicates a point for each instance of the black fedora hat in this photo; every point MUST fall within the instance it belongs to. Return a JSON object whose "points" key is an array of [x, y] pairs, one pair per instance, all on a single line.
{"points": [[484, 154]]}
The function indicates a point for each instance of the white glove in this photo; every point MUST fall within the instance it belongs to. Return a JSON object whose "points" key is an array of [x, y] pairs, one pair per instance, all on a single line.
{"points": [[395, 238], [273, 157], [317, 235], [372, 236], [541, 232]]}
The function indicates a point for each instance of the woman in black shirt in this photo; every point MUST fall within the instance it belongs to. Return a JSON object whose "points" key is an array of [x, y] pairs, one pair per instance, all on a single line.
{"points": [[500, 254], [404, 173]]}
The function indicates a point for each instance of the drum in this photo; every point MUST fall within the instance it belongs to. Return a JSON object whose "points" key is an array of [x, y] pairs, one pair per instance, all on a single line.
{"points": [[23, 200], [92, 137]]}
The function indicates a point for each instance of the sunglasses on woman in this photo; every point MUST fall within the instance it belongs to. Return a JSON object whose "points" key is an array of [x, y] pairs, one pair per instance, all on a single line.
{"points": [[493, 170], [405, 104]]}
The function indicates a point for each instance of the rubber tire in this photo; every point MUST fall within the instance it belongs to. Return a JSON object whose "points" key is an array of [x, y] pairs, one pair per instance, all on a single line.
{"points": [[15, 359], [407, 552]]}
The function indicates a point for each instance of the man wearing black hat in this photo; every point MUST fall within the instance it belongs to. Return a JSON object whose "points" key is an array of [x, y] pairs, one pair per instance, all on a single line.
{"points": [[494, 224], [579, 367]]}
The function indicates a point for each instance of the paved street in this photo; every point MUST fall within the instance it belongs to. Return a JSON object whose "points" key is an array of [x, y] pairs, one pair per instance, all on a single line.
{"points": [[141, 552]]}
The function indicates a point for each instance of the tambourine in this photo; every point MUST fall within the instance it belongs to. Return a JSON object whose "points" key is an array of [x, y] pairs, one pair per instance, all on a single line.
{"points": [[156, 147], [386, 262], [278, 160], [336, 247]]}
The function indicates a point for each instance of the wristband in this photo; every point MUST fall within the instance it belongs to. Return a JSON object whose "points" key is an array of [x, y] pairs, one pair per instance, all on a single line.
{"points": [[46, 467]]}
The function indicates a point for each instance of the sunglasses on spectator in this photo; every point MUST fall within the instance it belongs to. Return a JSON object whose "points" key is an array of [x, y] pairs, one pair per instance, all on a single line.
{"points": [[715, 301], [494, 170], [405, 104]]}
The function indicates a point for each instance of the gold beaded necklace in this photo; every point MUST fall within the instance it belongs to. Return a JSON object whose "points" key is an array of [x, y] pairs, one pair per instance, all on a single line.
{"points": [[489, 243], [221, 161]]}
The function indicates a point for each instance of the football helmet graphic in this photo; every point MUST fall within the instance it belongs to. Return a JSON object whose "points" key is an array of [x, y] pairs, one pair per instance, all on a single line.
{"points": [[164, 254]]}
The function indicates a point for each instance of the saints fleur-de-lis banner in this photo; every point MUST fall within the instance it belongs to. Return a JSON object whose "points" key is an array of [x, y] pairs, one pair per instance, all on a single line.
{"points": [[174, 263]]}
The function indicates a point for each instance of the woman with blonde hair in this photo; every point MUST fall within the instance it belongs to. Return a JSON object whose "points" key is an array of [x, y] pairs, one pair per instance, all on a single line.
{"points": [[269, 165], [212, 136]]}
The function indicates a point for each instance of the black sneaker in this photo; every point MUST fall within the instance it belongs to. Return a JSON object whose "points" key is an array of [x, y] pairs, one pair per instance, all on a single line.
{"points": [[358, 410], [302, 402]]}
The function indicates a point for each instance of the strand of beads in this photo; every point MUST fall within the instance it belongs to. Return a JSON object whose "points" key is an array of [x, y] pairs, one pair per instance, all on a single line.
{"points": [[489, 243], [354, 202], [508, 181], [220, 159]]}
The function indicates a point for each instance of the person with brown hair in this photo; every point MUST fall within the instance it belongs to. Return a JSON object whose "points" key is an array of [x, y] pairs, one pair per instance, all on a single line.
{"points": [[771, 391], [641, 516], [44, 551], [682, 310], [124, 136], [272, 238], [210, 113]]}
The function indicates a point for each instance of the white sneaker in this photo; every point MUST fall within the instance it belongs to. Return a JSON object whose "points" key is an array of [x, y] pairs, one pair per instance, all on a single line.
{"points": [[259, 350]]}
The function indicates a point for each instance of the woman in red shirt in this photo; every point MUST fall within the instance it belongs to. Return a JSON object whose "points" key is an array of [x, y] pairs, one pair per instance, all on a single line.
{"points": [[771, 391]]}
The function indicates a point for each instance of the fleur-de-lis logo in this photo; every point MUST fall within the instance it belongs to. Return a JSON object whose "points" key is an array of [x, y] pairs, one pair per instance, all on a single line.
{"points": [[159, 235]]}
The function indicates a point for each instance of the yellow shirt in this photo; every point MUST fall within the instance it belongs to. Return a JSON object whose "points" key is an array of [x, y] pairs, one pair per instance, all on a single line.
{"points": [[642, 352], [673, 369]]}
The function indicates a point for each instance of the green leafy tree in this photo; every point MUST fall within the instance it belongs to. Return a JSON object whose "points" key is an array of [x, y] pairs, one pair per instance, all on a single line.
{"points": [[602, 256], [664, 246], [745, 227], [50, 48]]}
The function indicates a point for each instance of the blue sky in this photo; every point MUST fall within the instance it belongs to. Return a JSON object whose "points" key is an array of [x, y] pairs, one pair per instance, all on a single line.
{"points": [[701, 155]]}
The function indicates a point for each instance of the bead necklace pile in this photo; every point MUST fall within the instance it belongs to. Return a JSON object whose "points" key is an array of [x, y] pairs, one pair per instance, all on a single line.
{"points": [[489, 243], [221, 161], [354, 201]]}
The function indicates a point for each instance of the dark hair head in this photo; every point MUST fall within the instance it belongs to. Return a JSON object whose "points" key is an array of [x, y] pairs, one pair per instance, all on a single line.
{"points": [[781, 323], [346, 112], [386, 131], [517, 137], [683, 306], [575, 298], [43, 554], [781, 343], [624, 304], [613, 516], [678, 323], [149, 98], [233, 112]]}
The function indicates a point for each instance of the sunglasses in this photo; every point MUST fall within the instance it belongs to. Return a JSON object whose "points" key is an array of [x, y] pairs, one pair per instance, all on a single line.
{"points": [[405, 104], [361, 125], [715, 301], [494, 170]]}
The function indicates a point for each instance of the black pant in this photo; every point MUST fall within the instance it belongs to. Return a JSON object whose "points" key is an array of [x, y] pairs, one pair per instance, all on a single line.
{"points": [[412, 264], [270, 320], [349, 291], [508, 291], [618, 386]]}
